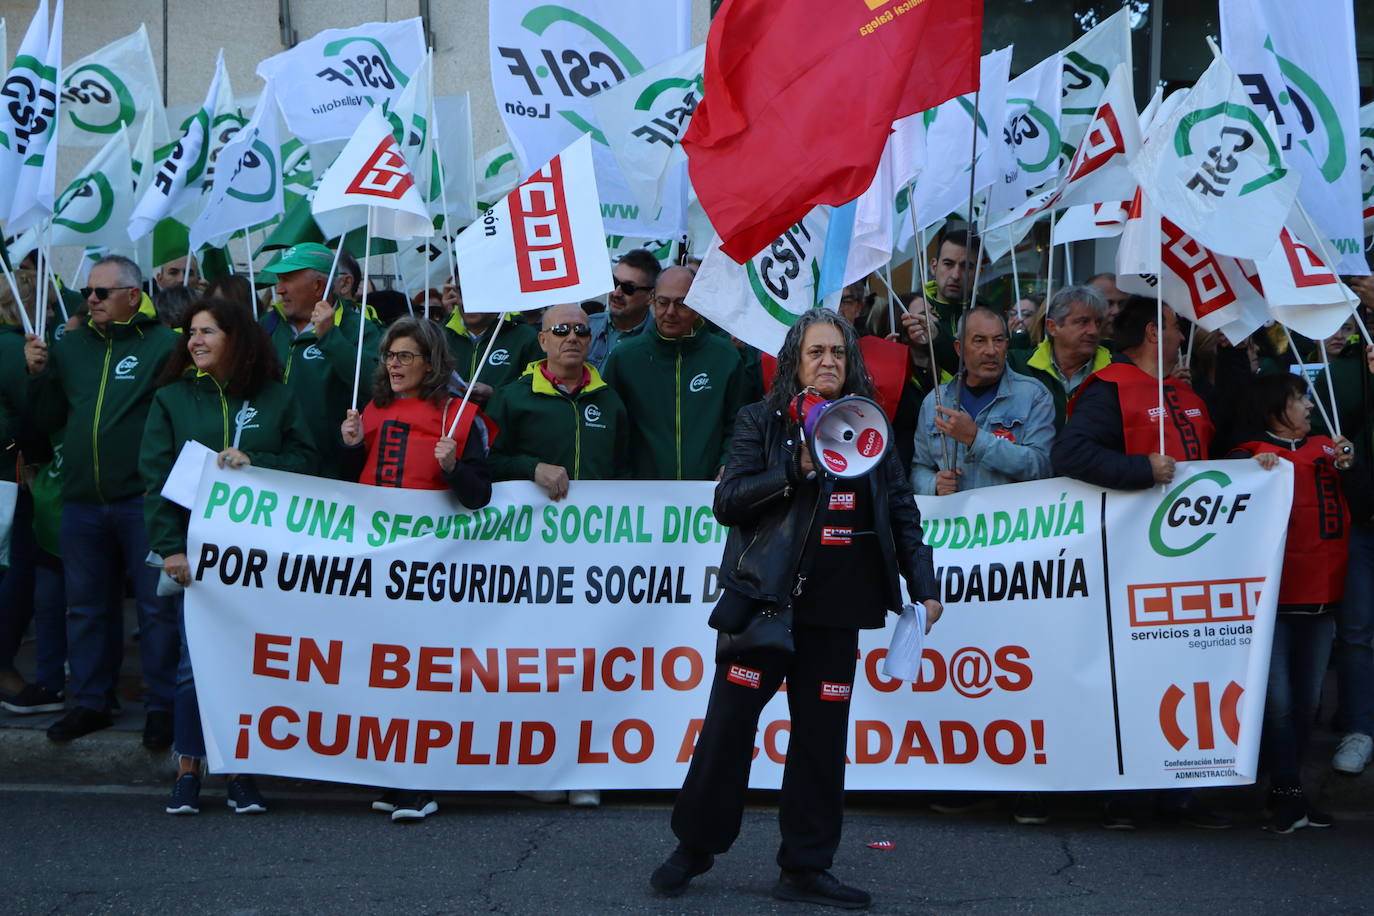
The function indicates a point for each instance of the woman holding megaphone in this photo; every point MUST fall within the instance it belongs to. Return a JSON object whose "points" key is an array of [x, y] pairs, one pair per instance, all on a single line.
{"points": [[811, 559]]}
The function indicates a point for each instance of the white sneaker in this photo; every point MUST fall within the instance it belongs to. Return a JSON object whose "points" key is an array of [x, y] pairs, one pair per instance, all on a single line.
{"points": [[547, 796], [584, 798], [1353, 754]]}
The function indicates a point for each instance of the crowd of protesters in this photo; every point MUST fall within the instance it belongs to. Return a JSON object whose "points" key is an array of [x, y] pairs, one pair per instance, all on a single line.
{"points": [[982, 390]]}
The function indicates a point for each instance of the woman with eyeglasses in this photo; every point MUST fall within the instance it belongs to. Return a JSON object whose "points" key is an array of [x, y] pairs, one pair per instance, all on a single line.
{"points": [[222, 388], [412, 402]]}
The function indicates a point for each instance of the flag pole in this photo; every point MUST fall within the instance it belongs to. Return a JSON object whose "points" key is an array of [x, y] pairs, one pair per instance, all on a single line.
{"points": [[53, 278], [1068, 264], [891, 298], [29, 327], [1049, 263], [1331, 266], [972, 173], [333, 268], [1159, 333], [443, 191], [467, 394], [1335, 425], [252, 284], [42, 290], [362, 307], [1311, 389], [1015, 271], [920, 258]]}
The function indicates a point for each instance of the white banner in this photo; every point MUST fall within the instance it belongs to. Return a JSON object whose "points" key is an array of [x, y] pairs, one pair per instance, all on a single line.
{"points": [[389, 637], [645, 117], [339, 74], [548, 61], [541, 244], [1297, 61], [116, 85]]}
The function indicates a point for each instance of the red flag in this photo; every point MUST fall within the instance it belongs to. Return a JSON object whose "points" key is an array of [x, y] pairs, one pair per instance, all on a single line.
{"points": [[799, 98]]}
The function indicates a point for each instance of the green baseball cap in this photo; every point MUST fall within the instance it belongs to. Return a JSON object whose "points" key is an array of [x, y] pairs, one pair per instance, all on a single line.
{"points": [[303, 256]]}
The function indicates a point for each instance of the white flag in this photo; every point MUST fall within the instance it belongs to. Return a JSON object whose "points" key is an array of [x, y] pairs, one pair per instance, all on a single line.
{"points": [[175, 181], [943, 187], [1303, 292], [757, 301], [540, 245], [1214, 168], [409, 117], [1367, 167], [247, 188], [423, 264], [497, 173], [875, 215], [94, 210], [1088, 66], [644, 118], [1026, 152], [28, 121], [453, 146], [371, 172], [331, 81], [117, 85], [1297, 62]]}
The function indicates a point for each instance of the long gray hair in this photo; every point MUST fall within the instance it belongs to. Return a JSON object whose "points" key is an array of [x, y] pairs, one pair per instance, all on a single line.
{"points": [[786, 381]]}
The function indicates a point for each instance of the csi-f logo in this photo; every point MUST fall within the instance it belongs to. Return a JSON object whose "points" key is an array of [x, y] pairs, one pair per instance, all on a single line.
{"points": [[176, 162], [312, 352], [1230, 129], [1032, 136], [499, 357], [95, 100], [567, 71], [667, 111], [1191, 513], [245, 417], [1203, 716], [254, 179], [592, 414], [124, 369], [700, 382], [86, 205], [30, 101], [364, 63], [1302, 111], [773, 275]]}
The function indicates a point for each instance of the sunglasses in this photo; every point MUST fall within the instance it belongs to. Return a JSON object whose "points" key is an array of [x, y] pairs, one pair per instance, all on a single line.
{"points": [[629, 289], [563, 330], [101, 292]]}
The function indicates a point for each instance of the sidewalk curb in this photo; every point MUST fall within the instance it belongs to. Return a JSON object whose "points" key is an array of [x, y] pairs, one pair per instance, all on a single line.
{"points": [[116, 757]]}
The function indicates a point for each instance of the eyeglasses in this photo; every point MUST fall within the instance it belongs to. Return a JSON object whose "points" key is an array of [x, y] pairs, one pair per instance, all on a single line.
{"points": [[661, 302], [101, 292], [629, 289], [563, 330], [404, 357]]}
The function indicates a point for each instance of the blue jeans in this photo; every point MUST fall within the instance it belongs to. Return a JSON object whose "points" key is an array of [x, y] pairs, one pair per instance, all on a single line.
{"points": [[16, 582], [188, 740], [1297, 666], [101, 544], [1355, 637], [50, 625]]}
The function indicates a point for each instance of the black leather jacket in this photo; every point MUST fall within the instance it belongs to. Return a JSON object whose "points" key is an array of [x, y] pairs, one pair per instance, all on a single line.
{"points": [[769, 524]]}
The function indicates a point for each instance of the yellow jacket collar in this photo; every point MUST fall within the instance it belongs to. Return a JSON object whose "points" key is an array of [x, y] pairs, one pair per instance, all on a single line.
{"points": [[539, 384], [1043, 359], [456, 324]]}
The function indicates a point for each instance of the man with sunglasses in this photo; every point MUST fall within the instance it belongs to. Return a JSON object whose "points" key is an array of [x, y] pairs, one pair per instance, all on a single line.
{"points": [[559, 421], [99, 380], [682, 386], [627, 307]]}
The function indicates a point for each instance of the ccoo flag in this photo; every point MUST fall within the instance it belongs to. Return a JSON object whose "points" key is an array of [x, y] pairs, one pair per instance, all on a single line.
{"points": [[543, 244], [799, 98], [371, 172]]}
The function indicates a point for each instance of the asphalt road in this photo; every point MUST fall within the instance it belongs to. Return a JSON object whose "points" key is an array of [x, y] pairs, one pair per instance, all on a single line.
{"points": [[92, 849]]}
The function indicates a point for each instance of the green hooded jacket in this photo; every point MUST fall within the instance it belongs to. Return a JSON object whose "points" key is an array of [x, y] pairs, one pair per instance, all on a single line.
{"points": [[269, 428], [319, 371], [587, 434], [516, 347], [682, 396], [99, 385]]}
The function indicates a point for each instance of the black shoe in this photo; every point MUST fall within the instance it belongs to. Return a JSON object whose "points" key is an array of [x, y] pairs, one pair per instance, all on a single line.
{"points": [[817, 886], [672, 877], [1196, 814], [1318, 818], [157, 730], [81, 720], [1118, 815], [185, 795], [1287, 811], [241, 794], [34, 699], [1029, 808], [413, 806]]}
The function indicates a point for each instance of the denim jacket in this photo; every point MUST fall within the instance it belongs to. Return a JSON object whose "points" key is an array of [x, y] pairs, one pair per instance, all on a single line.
{"points": [[1015, 432]]}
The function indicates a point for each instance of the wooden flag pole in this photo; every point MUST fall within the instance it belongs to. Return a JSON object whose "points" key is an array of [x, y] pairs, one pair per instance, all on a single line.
{"points": [[362, 308]]}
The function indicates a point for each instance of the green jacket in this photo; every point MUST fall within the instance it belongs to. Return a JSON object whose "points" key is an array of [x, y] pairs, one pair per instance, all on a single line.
{"points": [[270, 430], [588, 433], [682, 396], [1039, 366], [319, 372], [516, 347], [14, 384], [99, 385]]}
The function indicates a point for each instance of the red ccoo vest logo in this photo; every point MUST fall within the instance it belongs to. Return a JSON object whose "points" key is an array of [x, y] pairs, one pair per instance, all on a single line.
{"points": [[385, 174], [545, 257]]}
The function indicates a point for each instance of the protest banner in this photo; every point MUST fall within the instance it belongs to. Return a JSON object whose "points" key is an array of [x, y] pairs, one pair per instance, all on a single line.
{"points": [[547, 62], [1091, 639], [337, 75]]}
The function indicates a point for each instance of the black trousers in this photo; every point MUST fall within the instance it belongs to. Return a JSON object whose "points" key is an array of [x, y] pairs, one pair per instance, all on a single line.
{"points": [[820, 675]]}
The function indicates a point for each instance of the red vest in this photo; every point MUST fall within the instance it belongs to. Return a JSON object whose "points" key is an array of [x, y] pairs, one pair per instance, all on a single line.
{"points": [[885, 361], [1188, 430], [400, 440], [1318, 548]]}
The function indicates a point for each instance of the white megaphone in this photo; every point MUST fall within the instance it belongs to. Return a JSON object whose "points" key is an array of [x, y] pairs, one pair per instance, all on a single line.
{"points": [[848, 436]]}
